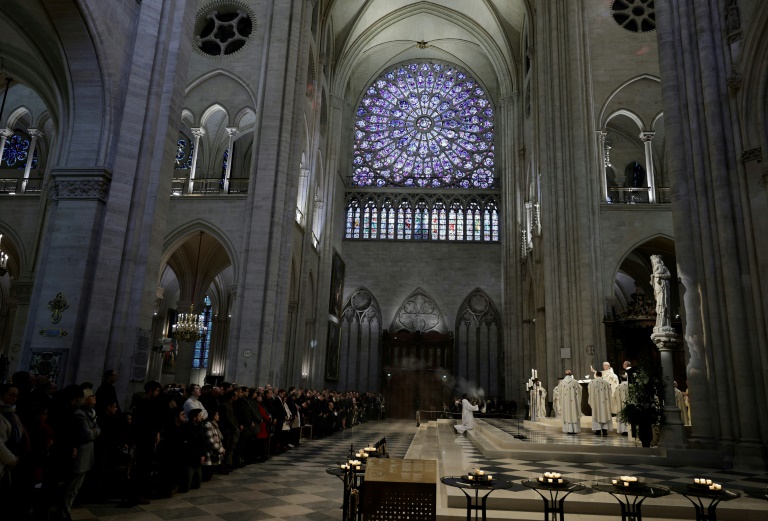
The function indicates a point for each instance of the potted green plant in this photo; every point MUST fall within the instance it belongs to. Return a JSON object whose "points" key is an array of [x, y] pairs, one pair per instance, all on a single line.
{"points": [[643, 406]]}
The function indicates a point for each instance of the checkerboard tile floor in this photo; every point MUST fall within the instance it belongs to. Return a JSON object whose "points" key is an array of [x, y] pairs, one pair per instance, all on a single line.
{"points": [[295, 487]]}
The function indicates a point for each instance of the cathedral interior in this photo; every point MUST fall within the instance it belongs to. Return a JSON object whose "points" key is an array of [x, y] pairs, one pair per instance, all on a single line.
{"points": [[418, 198]]}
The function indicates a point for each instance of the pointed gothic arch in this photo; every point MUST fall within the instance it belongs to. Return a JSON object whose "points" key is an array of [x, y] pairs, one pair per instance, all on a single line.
{"points": [[478, 352], [361, 342]]}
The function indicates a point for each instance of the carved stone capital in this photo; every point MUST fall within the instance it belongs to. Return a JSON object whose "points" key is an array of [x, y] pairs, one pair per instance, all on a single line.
{"points": [[337, 102], [734, 81], [198, 132], [647, 136], [34, 132], [753, 154], [232, 131], [6, 132], [80, 184], [304, 172]]}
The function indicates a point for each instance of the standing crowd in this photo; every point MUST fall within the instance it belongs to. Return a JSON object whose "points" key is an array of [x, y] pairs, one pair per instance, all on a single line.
{"points": [[60, 445]]}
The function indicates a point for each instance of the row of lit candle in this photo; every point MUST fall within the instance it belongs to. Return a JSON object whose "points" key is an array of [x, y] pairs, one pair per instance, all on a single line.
{"points": [[551, 477], [702, 481]]}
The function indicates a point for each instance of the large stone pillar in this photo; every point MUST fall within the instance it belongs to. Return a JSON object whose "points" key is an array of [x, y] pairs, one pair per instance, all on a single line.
{"points": [[714, 245]]}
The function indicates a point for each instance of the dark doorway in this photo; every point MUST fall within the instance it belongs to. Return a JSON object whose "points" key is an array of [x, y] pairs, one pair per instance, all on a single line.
{"points": [[415, 372]]}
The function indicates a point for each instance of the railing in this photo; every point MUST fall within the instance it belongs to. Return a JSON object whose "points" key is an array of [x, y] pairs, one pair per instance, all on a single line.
{"points": [[9, 185], [621, 195], [208, 186], [628, 195], [16, 185]]}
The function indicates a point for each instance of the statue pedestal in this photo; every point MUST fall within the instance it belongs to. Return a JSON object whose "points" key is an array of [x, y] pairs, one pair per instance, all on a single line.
{"points": [[672, 432]]}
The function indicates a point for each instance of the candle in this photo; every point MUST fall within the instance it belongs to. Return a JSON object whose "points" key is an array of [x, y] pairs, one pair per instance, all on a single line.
{"points": [[490, 477], [549, 480], [697, 481], [709, 482], [480, 472], [541, 479], [626, 483], [559, 480], [615, 482], [470, 477]]}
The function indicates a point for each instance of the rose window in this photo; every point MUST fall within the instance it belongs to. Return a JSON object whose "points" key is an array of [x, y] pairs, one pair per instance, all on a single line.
{"points": [[424, 125], [638, 16], [223, 28]]}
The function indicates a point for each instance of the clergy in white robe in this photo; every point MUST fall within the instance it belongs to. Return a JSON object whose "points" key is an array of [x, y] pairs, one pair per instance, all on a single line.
{"points": [[467, 416], [557, 411], [620, 396], [538, 401], [569, 390], [610, 377], [600, 402]]}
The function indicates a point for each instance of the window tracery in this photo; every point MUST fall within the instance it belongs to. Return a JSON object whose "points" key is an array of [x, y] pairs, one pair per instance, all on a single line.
{"points": [[16, 152], [424, 217], [424, 125]]}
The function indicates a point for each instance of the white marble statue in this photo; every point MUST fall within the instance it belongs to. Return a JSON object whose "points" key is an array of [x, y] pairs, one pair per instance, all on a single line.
{"points": [[660, 281]]}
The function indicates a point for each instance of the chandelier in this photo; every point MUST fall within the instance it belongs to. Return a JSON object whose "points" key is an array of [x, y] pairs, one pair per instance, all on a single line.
{"points": [[189, 327]]}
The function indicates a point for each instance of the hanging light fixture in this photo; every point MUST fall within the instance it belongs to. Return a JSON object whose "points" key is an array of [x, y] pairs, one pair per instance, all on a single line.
{"points": [[190, 327]]}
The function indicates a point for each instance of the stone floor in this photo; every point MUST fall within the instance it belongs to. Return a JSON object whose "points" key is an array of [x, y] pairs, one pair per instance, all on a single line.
{"points": [[295, 487]]}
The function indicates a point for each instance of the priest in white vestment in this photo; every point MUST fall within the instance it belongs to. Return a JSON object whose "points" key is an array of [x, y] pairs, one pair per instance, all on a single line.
{"points": [[570, 403], [610, 377], [467, 416], [600, 400], [620, 396]]}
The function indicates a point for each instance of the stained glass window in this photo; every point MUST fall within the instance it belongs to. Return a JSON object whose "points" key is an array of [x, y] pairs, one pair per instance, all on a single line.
{"points": [[424, 125], [16, 152], [353, 220], [202, 346], [428, 219], [185, 149]]}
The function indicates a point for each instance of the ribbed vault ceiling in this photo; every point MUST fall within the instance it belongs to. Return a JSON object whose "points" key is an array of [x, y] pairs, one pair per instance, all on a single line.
{"points": [[482, 36]]}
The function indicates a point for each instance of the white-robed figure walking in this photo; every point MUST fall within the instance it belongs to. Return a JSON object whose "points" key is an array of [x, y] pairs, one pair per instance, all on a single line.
{"points": [[467, 416], [570, 403], [600, 402]]}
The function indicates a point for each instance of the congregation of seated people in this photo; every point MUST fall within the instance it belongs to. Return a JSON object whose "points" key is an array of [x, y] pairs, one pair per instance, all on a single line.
{"points": [[59, 446]]}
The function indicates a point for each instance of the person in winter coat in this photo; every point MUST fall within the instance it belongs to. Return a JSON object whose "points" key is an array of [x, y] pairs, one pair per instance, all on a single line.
{"points": [[214, 448]]}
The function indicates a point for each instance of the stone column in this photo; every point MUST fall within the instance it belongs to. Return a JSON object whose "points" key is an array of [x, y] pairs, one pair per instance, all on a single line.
{"points": [[198, 133], [672, 433], [290, 345], [301, 204], [602, 163], [155, 365], [647, 139], [34, 134], [232, 131], [5, 133]]}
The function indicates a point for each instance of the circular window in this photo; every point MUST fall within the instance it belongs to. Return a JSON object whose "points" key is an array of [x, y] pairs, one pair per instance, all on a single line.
{"points": [[638, 16], [223, 28], [425, 125]]}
